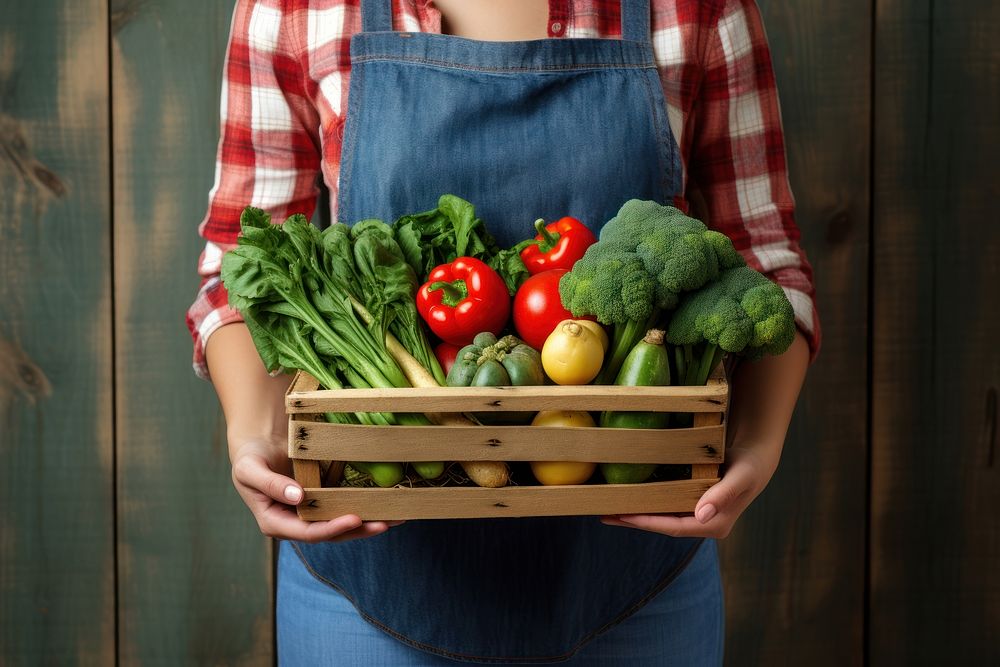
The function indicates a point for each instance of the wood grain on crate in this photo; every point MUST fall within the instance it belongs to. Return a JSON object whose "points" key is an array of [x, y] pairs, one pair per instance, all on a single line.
{"points": [[513, 501], [311, 441], [710, 398], [348, 442]]}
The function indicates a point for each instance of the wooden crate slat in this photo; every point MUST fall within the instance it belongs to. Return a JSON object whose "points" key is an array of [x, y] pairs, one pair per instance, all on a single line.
{"points": [[302, 382], [711, 398], [699, 470], [346, 442], [464, 502], [306, 472]]}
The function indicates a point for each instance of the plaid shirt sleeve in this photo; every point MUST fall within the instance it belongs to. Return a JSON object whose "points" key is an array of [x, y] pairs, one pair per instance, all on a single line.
{"points": [[737, 158], [268, 155]]}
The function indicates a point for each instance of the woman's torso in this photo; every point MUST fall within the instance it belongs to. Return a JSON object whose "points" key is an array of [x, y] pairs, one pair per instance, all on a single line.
{"points": [[680, 33]]}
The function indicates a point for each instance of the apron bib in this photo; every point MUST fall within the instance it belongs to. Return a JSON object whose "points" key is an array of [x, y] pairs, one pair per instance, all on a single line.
{"points": [[523, 130]]}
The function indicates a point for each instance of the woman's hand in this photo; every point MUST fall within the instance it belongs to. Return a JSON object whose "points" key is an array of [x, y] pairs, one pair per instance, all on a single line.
{"points": [[746, 475], [260, 474], [763, 397], [257, 428]]}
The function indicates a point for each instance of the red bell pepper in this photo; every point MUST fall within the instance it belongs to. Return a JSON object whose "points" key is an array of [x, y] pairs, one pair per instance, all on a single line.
{"points": [[462, 299], [559, 245]]}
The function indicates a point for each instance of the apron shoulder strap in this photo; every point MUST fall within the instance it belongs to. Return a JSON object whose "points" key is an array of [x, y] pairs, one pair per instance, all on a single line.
{"points": [[635, 20], [376, 15]]}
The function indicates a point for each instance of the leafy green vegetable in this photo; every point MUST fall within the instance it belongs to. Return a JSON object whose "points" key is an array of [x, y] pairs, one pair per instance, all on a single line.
{"points": [[452, 230], [299, 292], [389, 285]]}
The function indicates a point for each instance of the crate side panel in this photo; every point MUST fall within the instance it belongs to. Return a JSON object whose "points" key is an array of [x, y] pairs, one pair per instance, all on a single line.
{"points": [[346, 442], [461, 502]]}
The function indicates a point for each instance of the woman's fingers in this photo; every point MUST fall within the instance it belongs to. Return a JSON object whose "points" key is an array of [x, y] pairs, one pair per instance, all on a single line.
{"points": [[269, 495], [252, 471], [281, 522], [716, 512]]}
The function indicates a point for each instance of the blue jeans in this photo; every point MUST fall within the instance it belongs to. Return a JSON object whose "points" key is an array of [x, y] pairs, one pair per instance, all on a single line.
{"points": [[682, 625]]}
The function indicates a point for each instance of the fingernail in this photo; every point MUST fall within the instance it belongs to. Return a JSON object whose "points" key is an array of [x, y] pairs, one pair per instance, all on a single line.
{"points": [[705, 513], [293, 493], [625, 518]]}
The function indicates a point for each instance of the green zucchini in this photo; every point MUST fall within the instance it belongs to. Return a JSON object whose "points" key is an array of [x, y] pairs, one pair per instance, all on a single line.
{"points": [[647, 365]]}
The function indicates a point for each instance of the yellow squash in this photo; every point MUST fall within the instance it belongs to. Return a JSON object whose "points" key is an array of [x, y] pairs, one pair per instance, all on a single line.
{"points": [[573, 353], [553, 473]]}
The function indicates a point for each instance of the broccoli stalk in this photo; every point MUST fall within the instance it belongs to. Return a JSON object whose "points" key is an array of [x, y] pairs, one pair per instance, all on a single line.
{"points": [[742, 312], [623, 338], [646, 257]]}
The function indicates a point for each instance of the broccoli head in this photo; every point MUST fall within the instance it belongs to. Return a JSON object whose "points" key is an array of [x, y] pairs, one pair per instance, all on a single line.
{"points": [[646, 257], [677, 254], [741, 312]]}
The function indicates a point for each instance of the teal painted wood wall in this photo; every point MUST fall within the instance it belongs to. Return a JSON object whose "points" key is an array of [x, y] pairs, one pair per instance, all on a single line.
{"points": [[121, 539]]}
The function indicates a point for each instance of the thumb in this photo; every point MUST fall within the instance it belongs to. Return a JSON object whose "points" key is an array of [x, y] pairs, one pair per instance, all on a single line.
{"points": [[725, 495]]}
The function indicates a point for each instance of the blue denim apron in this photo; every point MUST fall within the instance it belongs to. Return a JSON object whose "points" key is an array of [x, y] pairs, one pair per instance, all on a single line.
{"points": [[523, 130]]}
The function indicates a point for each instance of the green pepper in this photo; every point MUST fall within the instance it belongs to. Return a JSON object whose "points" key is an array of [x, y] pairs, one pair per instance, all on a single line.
{"points": [[489, 362]]}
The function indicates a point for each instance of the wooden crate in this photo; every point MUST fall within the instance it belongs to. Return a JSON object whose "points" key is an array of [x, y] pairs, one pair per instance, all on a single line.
{"points": [[311, 440]]}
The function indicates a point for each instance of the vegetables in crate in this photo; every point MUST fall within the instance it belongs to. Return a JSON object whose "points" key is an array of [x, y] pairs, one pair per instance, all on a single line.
{"points": [[450, 231], [645, 258], [303, 295], [488, 362], [537, 307], [558, 245], [463, 298], [741, 312], [647, 365], [552, 473], [573, 353]]}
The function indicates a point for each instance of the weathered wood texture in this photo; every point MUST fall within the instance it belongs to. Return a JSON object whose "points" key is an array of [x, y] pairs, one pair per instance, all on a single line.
{"points": [[711, 398], [512, 501], [794, 566], [57, 568], [351, 442], [700, 446], [935, 581], [194, 570]]}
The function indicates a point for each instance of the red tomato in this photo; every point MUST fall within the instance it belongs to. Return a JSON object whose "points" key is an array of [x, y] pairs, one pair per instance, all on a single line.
{"points": [[537, 308], [446, 354]]}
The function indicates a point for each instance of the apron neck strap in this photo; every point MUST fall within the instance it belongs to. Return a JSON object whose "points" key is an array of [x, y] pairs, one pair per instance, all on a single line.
{"points": [[376, 15], [635, 20]]}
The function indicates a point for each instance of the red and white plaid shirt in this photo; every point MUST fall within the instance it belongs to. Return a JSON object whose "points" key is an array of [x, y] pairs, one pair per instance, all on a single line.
{"points": [[284, 102]]}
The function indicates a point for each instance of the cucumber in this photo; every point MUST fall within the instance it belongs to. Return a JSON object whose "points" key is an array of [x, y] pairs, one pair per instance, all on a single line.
{"points": [[647, 365]]}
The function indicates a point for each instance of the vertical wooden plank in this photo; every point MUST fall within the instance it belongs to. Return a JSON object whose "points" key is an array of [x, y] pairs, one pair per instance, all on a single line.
{"points": [[705, 419], [935, 584], [796, 558], [57, 603], [195, 571]]}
